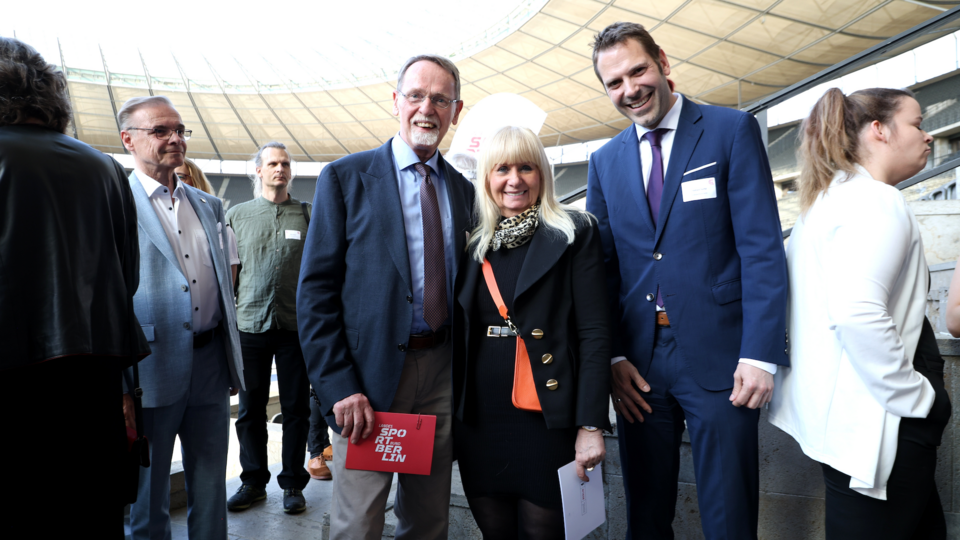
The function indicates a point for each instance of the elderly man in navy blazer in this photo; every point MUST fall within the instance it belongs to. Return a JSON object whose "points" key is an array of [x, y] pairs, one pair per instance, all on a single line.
{"points": [[186, 309], [698, 282], [374, 304]]}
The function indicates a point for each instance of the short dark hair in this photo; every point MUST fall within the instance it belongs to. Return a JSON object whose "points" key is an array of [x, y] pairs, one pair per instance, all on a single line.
{"points": [[30, 88], [445, 63], [620, 32]]}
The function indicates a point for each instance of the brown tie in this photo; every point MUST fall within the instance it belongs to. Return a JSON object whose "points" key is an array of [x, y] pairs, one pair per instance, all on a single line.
{"points": [[434, 263]]}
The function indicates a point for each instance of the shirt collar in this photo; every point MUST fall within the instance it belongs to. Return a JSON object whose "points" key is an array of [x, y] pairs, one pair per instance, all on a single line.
{"points": [[405, 157], [669, 121], [266, 202], [150, 185]]}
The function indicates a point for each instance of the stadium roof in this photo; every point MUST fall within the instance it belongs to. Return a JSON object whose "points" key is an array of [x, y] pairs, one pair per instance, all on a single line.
{"points": [[325, 88]]}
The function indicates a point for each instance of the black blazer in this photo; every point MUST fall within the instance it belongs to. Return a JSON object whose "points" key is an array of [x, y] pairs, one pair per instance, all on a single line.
{"points": [[69, 251], [354, 302], [561, 290]]}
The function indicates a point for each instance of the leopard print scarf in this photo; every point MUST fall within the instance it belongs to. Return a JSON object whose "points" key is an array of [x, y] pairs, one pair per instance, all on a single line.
{"points": [[517, 230]]}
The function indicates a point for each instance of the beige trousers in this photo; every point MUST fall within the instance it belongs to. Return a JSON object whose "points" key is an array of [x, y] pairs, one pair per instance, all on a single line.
{"points": [[422, 503]]}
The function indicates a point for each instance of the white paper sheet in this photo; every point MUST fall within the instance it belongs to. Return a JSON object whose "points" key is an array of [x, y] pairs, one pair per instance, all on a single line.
{"points": [[583, 505]]}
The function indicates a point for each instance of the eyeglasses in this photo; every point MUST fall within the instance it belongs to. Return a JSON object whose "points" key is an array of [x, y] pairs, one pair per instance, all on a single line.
{"points": [[164, 134], [416, 98], [184, 176]]}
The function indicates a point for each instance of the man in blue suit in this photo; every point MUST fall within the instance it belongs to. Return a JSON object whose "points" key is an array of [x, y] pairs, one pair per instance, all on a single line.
{"points": [[698, 282], [374, 303], [186, 308]]}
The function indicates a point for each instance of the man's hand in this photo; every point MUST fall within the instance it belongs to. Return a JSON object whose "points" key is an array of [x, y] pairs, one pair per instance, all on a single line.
{"points": [[590, 451], [752, 387], [129, 416], [626, 398], [355, 416], [234, 391]]}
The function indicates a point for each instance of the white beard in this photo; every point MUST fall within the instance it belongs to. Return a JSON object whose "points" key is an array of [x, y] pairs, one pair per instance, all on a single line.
{"points": [[425, 139]]}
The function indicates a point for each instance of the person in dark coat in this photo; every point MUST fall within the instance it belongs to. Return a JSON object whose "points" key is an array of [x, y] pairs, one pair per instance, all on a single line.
{"points": [[547, 261], [69, 267]]}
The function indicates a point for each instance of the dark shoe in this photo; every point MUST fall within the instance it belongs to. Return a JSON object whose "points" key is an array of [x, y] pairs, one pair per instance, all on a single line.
{"points": [[293, 501], [244, 497]]}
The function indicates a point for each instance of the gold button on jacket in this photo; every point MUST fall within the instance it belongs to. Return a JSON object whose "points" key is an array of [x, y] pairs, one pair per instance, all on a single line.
{"points": [[547, 358], [537, 333], [552, 384]]}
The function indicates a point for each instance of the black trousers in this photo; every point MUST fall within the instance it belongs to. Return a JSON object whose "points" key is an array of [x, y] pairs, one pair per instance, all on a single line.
{"points": [[912, 510], [259, 351], [64, 414], [318, 438]]}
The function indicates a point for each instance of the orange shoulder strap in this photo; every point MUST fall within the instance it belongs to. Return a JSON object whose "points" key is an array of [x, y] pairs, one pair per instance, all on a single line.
{"points": [[494, 290]]}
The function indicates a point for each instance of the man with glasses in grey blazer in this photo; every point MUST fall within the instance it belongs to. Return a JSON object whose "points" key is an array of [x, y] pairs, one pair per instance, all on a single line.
{"points": [[186, 309]]}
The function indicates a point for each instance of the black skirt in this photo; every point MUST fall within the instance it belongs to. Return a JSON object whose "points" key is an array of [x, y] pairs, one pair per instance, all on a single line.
{"points": [[504, 451]]}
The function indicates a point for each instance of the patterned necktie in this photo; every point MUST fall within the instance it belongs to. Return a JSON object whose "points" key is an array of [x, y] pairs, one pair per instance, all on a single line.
{"points": [[434, 262], [655, 182]]}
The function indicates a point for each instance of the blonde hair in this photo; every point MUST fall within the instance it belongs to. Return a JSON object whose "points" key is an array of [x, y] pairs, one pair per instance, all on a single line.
{"points": [[831, 135], [199, 179], [511, 145]]}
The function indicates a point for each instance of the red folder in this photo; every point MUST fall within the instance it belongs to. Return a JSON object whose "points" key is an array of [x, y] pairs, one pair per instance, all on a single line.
{"points": [[401, 443]]}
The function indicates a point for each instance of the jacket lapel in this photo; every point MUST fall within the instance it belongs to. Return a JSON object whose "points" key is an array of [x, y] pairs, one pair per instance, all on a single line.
{"points": [[150, 223], [546, 247], [380, 184], [458, 201], [209, 221], [632, 174], [467, 282], [684, 143]]}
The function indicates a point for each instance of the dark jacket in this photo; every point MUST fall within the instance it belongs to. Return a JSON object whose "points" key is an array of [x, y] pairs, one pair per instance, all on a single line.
{"points": [[561, 291], [354, 302], [69, 257]]}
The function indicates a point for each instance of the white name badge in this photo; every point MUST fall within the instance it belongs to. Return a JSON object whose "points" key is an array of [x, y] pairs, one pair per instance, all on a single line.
{"points": [[697, 190], [293, 235]]}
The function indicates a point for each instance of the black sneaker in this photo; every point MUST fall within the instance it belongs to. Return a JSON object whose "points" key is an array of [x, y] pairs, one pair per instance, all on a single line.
{"points": [[244, 497], [293, 501]]}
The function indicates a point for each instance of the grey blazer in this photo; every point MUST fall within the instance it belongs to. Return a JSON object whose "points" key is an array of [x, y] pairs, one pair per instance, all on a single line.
{"points": [[162, 302]]}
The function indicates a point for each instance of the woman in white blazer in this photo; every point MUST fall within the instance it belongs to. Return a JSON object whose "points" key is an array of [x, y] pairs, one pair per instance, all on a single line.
{"points": [[863, 395]]}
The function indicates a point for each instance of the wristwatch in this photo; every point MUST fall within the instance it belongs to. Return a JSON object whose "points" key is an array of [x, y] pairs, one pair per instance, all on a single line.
{"points": [[589, 428]]}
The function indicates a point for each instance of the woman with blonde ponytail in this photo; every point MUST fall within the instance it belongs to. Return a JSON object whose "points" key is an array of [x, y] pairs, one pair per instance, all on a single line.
{"points": [[864, 392]]}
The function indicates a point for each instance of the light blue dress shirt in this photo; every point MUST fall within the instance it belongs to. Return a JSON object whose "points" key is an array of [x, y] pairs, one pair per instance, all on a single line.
{"points": [[409, 183]]}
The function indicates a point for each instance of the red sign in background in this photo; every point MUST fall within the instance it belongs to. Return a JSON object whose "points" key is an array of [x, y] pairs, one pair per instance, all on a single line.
{"points": [[401, 443]]}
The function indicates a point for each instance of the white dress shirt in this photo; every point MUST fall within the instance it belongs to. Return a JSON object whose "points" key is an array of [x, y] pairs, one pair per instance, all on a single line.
{"points": [[190, 244], [669, 122], [858, 289]]}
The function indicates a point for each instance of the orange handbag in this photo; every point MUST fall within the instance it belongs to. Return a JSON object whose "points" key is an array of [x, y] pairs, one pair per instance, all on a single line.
{"points": [[524, 389]]}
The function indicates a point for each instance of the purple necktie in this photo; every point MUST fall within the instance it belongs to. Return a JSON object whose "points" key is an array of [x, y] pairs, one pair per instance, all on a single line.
{"points": [[655, 182], [434, 262]]}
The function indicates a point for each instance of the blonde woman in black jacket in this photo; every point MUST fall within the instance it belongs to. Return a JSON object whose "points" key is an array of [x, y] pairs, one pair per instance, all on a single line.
{"points": [[548, 266]]}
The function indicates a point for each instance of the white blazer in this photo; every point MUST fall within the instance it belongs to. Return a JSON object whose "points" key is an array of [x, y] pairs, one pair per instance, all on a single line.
{"points": [[858, 284]]}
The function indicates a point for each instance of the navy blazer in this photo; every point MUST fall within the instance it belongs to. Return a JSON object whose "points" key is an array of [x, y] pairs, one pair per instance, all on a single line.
{"points": [[355, 296], [719, 261]]}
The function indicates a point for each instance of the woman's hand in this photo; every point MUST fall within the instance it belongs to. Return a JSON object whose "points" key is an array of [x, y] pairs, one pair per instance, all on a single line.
{"points": [[590, 451]]}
